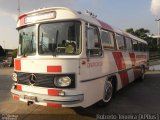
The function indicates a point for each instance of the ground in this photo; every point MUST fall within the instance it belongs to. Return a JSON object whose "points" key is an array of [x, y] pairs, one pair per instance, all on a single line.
{"points": [[136, 98]]}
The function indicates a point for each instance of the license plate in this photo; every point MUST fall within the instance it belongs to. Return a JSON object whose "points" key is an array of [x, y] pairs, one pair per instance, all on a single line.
{"points": [[30, 98]]}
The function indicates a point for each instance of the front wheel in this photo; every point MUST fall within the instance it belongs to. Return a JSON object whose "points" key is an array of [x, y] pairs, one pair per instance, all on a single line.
{"points": [[108, 93]]}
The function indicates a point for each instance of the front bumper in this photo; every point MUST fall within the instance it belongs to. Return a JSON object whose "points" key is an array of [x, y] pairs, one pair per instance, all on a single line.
{"points": [[42, 98]]}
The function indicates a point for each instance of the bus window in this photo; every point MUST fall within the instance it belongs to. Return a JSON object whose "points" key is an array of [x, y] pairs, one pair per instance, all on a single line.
{"points": [[144, 47], [135, 45], [128, 44], [27, 41], [61, 38], [107, 39], [140, 46], [93, 41], [121, 42]]}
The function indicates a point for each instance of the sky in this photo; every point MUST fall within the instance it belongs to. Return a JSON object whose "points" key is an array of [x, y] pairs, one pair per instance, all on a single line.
{"points": [[122, 14]]}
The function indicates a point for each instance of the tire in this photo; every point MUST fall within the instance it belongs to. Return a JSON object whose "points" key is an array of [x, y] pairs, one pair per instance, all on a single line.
{"points": [[142, 77], [108, 94]]}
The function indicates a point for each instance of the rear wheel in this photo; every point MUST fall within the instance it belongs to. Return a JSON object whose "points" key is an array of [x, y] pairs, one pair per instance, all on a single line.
{"points": [[142, 74]]}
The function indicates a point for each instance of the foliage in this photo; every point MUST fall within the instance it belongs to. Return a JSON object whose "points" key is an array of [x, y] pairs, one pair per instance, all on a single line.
{"points": [[2, 52], [144, 34]]}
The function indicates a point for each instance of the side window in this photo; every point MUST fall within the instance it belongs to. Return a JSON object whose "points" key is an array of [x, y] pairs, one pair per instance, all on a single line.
{"points": [[144, 47], [135, 45], [140, 46], [107, 39], [93, 41], [128, 44], [120, 41]]}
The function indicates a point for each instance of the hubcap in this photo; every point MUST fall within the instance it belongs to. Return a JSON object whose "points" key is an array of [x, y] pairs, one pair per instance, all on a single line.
{"points": [[108, 91]]}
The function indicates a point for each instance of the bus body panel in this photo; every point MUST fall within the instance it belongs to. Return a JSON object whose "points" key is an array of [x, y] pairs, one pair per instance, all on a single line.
{"points": [[48, 65]]}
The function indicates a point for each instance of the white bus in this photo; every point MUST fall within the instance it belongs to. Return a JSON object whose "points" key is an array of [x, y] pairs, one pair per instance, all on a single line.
{"points": [[69, 59]]}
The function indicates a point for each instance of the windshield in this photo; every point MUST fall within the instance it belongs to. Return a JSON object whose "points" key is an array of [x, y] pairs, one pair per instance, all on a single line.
{"points": [[61, 38], [27, 41]]}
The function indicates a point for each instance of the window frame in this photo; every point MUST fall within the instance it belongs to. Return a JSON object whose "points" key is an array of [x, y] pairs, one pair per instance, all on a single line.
{"points": [[124, 49], [137, 45], [140, 45], [19, 53], [80, 37], [105, 46], [130, 43], [91, 26]]}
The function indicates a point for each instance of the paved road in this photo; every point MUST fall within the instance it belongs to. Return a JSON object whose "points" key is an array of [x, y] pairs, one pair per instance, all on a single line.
{"points": [[138, 97]]}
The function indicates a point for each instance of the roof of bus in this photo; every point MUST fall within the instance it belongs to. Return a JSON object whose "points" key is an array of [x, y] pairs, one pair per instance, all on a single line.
{"points": [[72, 14]]}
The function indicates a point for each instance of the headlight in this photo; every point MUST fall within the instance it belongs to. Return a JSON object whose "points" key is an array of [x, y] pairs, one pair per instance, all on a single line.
{"points": [[14, 76], [62, 81]]}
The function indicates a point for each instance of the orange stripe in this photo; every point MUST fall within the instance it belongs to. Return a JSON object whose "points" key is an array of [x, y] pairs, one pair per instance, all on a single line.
{"points": [[19, 87], [53, 92], [133, 58], [17, 64], [54, 69], [15, 97], [22, 20], [118, 57], [54, 105], [124, 78]]}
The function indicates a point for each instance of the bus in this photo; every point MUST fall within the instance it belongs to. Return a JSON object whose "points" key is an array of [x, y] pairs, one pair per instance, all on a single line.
{"points": [[67, 58]]}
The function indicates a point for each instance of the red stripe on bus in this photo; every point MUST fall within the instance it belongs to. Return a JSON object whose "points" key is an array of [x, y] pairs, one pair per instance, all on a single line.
{"points": [[15, 97], [137, 72], [124, 78], [54, 69], [22, 20], [17, 64], [53, 92], [19, 87], [105, 25], [54, 105], [133, 58], [118, 57]]}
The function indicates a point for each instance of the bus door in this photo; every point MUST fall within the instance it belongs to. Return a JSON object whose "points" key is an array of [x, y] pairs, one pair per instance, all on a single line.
{"points": [[93, 52]]}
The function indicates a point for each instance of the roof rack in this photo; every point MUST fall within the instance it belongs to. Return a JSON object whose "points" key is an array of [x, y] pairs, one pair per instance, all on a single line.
{"points": [[91, 14]]}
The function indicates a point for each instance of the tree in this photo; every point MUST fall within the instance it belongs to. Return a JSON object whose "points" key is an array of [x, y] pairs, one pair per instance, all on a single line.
{"points": [[131, 31], [2, 52], [143, 34]]}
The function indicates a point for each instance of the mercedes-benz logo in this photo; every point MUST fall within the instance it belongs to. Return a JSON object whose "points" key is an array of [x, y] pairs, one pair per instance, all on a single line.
{"points": [[32, 79]]}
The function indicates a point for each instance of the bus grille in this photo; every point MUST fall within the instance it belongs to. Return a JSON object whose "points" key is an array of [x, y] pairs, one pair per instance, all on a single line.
{"points": [[42, 80]]}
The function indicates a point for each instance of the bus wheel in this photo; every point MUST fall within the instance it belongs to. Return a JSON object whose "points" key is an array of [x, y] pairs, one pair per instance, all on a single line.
{"points": [[108, 93], [142, 74]]}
